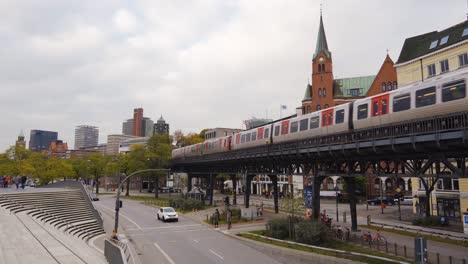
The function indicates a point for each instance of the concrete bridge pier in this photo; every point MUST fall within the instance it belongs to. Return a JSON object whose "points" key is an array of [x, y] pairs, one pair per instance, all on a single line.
{"points": [[234, 188], [351, 187], [248, 180], [274, 181]]}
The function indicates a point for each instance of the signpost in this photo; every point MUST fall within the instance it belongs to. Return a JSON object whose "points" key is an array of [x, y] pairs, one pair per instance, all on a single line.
{"points": [[308, 200], [398, 195], [465, 222]]}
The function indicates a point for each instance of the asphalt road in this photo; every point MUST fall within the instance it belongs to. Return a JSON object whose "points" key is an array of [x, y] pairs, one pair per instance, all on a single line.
{"points": [[185, 241]]}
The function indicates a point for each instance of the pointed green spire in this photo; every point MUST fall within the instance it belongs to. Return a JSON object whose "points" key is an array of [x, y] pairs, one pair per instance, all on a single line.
{"points": [[321, 40], [308, 95]]}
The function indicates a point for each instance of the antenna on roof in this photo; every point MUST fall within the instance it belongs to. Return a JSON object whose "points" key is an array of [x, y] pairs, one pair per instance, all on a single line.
{"points": [[387, 49]]}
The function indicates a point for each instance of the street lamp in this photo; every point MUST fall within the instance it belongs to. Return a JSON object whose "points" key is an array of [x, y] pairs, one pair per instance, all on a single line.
{"points": [[117, 200], [398, 190], [336, 193]]}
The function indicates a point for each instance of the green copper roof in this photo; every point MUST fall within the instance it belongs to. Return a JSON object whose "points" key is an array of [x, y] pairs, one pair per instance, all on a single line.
{"points": [[341, 86], [307, 95], [321, 41], [418, 46]]}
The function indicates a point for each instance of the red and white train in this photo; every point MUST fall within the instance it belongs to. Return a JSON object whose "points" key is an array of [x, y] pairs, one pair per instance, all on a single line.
{"points": [[442, 94]]}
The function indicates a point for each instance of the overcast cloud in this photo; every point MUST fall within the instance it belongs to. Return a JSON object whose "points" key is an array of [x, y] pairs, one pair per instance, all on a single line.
{"points": [[200, 64]]}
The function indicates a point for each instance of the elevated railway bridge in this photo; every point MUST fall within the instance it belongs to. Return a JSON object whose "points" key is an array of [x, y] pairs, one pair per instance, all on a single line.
{"points": [[429, 148]]}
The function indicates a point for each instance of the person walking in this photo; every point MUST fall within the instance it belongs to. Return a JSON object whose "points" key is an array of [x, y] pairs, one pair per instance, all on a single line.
{"points": [[17, 182], [229, 218], [23, 181], [216, 218], [7, 181]]}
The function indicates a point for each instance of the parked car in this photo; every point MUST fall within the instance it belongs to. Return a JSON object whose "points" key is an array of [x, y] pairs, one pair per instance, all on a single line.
{"points": [[405, 200], [167, 214], [378, 201]]}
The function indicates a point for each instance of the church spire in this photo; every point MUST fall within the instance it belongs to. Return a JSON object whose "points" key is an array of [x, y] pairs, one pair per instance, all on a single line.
{"points": [[321, 39]]}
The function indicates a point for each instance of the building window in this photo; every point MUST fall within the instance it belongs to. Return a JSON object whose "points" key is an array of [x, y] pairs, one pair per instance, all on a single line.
{"points": [[389, 86], [318, 107], [308, 109], [465, 32], [320, 68], [444, 66], [431, 71], [314, 122], [323, 67], [320, 92], [324, 92], [433, 44], [425, 97], [325, 106], [395, 85], [463, 59], [443, 40], [384, 87]]}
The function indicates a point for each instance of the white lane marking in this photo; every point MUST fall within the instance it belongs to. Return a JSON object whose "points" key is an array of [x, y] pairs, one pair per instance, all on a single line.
{"points": [[120, 214], [196, 241], [216, 254], [164, 253], [162, 227]]}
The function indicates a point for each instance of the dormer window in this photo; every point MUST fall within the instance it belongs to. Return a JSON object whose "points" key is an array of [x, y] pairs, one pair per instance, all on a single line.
{"points": [[433, 44], [443, 40], [465, 32]]}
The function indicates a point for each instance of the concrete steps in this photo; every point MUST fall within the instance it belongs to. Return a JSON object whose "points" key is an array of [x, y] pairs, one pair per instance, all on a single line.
{"points": [[65, 210]]}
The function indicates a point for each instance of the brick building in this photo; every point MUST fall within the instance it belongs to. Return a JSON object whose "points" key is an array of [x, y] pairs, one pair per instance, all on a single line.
{"points": [[325, 91]]}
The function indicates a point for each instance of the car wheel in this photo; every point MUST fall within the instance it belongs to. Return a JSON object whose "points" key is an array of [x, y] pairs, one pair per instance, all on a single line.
{"points": [[177, 220], [372, 203]]}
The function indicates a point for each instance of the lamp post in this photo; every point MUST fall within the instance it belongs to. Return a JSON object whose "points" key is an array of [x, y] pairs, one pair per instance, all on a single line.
{"points": [[398, 190], [117, 200], [336, 193]]}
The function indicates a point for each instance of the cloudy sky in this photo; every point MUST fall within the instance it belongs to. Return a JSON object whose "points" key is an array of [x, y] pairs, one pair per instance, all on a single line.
{"points": [[200, 64]]}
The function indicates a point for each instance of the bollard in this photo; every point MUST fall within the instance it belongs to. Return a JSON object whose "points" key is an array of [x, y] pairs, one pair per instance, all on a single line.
{"points": [[450, 259], [438, 258], [344, 217], [386, 246], [404, 251], [395, 249]]}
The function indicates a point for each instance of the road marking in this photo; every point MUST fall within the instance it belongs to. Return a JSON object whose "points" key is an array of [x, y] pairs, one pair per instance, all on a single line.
{"points": [[164, 253], [124, 216], [162, 227], [216, 254]]}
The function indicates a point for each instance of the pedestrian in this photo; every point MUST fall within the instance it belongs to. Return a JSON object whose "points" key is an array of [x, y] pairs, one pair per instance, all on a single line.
{"points": [[1, 181], [17, 182], [229, 218], [216, 218], [23, 181], [7, 181]]}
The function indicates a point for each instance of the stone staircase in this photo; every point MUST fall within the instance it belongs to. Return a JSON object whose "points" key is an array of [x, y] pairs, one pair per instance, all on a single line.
{"points": [[65, 209]]}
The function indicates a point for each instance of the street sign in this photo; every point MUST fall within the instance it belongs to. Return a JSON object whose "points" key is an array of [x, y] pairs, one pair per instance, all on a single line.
{"points": [[465, 223]]}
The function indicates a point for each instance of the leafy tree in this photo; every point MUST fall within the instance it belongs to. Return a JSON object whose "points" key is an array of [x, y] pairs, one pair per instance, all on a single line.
{"points": [[97, 166], [134, 161], [80, 167], [18, 156], [158, 155]]}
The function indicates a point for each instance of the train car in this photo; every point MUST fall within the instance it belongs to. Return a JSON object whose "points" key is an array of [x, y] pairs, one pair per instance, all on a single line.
{"points": [[178, 153], [255, 137], [217, 145], [438, 95]]}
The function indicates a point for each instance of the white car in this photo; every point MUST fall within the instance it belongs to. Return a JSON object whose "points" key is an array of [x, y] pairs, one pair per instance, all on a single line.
{"points": [[167, 214]]}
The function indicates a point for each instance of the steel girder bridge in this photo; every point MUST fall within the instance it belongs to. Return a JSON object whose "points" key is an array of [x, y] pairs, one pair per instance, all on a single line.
{"points": [[430, 149]]}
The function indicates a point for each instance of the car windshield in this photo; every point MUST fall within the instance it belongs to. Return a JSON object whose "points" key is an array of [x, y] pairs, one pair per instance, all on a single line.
{"points": [[169, 210]]}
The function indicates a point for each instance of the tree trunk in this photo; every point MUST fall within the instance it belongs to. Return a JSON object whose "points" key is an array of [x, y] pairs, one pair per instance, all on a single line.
{"points": [[97, 183], [127, 192], [141, 182], [156, 187], [428, 203]]}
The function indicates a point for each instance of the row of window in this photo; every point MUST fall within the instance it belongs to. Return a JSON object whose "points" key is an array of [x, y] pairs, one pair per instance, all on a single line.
{"points": [[355, 91], [424, 97], [388, 87], [318, 107], [321, 67], [322, 92], [444, 65]]}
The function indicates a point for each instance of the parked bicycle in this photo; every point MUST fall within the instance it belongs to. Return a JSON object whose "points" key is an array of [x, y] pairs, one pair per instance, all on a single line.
{"points": [[379, 238]]}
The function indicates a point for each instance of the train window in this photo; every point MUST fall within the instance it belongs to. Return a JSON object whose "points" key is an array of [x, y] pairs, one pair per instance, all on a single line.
{"points": [[303, 124], [425, 97], [339, 118], [362, 111], [247, 137], [401, 102], [294, 127], [254, 136], [284, 127], [243, 139], [384, 106], [453, 91], [375, 108], [314, 122], [277, 130], [267, 133]]}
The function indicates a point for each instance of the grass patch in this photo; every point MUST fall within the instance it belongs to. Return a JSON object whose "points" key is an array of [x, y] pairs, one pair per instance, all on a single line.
{"points": [[462, 243], [143, 198], [333, 245]]}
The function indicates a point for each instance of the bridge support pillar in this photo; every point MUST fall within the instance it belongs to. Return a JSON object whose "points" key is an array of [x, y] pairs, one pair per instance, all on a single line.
{"points": [[189, 182], [317, 180], [248, 181], [274, 181], [351, 187], [211, 188], [234, 188]]}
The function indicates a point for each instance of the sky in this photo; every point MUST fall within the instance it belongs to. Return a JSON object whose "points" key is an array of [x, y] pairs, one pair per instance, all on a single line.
{"points": [[200, 64]]}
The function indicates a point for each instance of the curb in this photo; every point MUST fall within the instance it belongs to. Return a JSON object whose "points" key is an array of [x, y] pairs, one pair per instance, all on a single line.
{"points": [[329, 249]]}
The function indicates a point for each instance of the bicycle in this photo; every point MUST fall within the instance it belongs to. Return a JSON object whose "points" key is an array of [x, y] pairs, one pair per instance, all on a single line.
{"points": [[366, 237], [379, 238]]}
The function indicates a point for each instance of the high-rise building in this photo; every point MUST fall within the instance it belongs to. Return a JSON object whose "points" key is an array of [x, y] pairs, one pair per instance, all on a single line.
{"points": [[161, 127], [86, 136], [21, 142], [139, 125], [113, 143], [40, 140]]}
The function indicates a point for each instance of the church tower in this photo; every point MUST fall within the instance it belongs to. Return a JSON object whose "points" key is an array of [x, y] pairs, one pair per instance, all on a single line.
{"points": [[320, 95], [20, 142]]}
